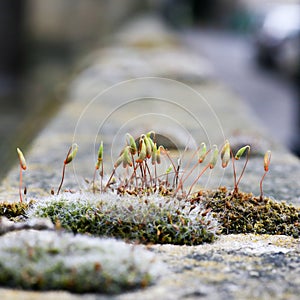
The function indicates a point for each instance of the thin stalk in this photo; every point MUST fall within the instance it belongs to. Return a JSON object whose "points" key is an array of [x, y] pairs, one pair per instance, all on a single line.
{"points": [[236, 189], [62, 179], [189, 162], [267, 160], [63, 171], [177, 177], [135, 166], [101, 177], [142, 174], [94, 177], [109, 180], [195, 181], [237, 156], [167, 180], [145, 173], [261, 186], [147, 167], [23, 166], [173, 165], [20, 185], [244, 168], [155, 174], [186, 168], [134, 170], [182, 180]]}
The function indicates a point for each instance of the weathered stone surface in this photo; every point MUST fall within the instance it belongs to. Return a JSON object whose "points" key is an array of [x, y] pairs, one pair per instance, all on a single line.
{"points": [[234, 267], [34, 223]]}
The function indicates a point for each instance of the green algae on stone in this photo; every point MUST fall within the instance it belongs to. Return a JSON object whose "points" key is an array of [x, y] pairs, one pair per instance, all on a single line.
{"points": [[244, 213], [48, 260], [147, 219]]}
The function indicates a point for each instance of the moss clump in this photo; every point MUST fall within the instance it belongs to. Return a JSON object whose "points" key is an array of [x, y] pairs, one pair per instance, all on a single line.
{"points": [[149, 219], [161, 219], [53, 261], [244, 213], [13, 209]]}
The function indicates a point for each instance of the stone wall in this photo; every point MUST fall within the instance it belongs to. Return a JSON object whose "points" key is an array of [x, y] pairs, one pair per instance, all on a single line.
{"points": [[145, 79], [61, 21]]}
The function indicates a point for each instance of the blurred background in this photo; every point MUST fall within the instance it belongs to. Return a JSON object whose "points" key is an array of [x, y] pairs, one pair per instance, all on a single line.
{"points": [[253, 46]]}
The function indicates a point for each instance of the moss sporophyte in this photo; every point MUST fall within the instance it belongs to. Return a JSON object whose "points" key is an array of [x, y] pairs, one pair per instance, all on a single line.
{"points": [[149, 203], [155, 200], [23, 167]]}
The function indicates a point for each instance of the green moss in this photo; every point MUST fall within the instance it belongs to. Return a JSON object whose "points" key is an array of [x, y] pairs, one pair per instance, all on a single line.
{"points": [[161, 219], [244, 213], [150, 219], [11, 210]]}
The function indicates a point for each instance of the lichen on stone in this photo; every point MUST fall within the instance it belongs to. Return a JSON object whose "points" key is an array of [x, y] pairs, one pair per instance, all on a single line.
{"points": [[45, 260], [146, 219]]}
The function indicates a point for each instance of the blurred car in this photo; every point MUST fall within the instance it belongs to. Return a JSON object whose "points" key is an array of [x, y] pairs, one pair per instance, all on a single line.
{"points": [[278, 38]]}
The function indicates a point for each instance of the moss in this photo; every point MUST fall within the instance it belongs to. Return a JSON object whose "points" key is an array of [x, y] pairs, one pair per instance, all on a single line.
{"points": [[51, 261], [11, 210], [244, 213], [149, 219], [161, 219]]}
